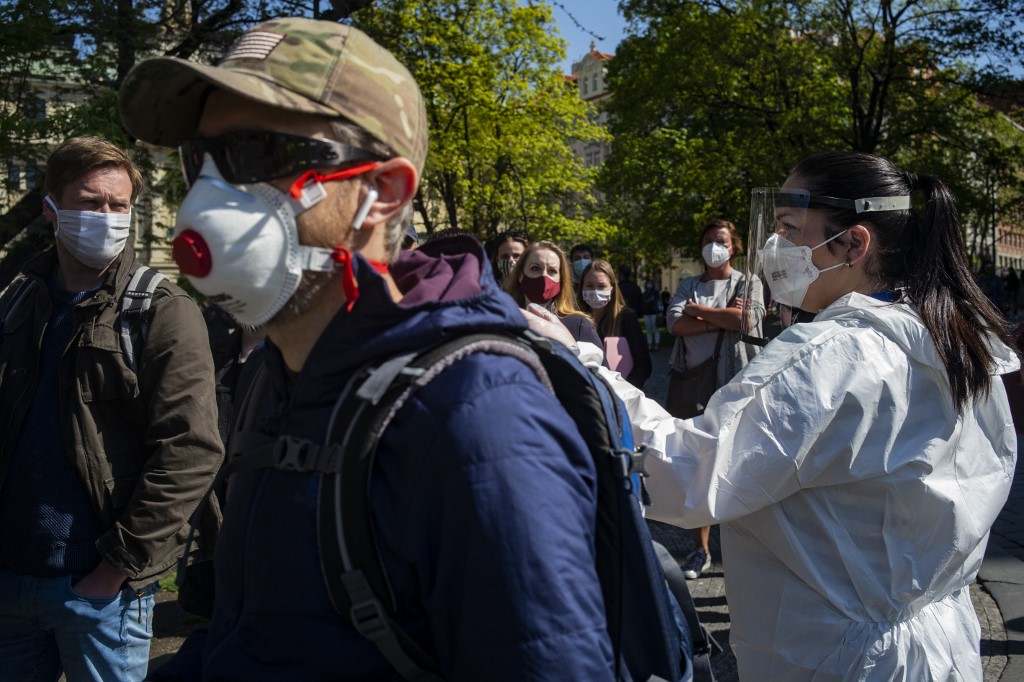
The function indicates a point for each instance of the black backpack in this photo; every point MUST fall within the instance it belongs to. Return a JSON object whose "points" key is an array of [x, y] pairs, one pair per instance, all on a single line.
{"points": [[646, 599]]}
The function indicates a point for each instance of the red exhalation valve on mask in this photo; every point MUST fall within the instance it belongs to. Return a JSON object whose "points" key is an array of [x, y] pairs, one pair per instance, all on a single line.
{"points": [[192, 255]]}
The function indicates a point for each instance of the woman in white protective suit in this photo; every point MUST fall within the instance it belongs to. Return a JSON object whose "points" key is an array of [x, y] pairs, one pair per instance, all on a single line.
{"points": [[857, 464]]}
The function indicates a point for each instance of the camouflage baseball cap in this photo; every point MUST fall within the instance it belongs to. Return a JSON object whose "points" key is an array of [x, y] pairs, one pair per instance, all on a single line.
{"points": [[316, 67]]}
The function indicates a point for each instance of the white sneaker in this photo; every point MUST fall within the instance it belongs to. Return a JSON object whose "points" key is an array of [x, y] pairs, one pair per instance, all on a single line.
{"points": [[695, 564]]}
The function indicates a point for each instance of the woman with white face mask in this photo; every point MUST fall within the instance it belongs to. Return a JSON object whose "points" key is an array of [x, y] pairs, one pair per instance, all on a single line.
{"points": [[705, 317], [625, 348], [858, 462]]}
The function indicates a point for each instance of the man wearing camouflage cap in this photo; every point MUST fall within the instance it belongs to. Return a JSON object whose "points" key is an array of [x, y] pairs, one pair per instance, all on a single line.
{"points": [[303, 149]]}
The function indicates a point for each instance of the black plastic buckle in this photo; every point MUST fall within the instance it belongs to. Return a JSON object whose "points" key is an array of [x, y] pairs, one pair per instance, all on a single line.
{"points": [[368, 619], [632, 462], [638, 461], [292, 453]]}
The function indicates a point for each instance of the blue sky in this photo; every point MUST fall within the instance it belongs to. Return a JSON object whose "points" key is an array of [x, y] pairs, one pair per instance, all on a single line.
{"points": [[599, 16]]}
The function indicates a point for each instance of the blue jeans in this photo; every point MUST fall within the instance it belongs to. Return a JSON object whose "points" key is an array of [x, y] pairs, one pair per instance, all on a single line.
{"points": [[46, 628]]}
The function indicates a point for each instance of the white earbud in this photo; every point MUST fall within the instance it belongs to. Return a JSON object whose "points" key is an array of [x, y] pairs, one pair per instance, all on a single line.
{"points": [[364, 209]]}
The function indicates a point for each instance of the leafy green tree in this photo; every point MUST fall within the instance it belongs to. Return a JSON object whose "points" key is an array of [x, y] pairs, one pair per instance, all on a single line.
{"points": [[61, 64], [501, 116], [714, 97]]}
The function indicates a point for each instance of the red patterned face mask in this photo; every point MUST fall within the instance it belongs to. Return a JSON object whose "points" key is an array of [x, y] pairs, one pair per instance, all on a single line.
{"points": [[539, 289]]}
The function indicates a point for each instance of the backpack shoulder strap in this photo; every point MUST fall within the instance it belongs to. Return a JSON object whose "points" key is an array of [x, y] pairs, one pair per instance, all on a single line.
{"points": [[135, 302], [20, 291], [355, 575], [703, 642]]}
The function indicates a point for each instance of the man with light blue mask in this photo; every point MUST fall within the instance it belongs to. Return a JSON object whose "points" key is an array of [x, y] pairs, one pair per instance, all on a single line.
{"points": [[581, 257], [109, 436]]}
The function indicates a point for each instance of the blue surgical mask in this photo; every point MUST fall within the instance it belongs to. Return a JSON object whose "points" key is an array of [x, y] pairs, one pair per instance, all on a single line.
{"points": [[579, 267]]}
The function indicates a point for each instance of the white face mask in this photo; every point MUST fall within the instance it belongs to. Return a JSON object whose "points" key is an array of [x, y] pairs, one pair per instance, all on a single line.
{"points": [[239, 244], [597, 298], [93, 238], [715, 254], [789, 270]]}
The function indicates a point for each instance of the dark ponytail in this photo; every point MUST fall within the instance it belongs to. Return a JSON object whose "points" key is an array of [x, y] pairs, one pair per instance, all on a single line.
{"points": [[922, 251]]}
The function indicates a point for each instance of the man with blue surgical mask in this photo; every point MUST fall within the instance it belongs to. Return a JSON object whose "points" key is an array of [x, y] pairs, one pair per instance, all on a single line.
{"points": [[580, 256], [109, 436]]}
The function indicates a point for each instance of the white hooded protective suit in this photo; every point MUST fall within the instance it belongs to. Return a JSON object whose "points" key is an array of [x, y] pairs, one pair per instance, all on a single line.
{"points": [[855, 504]]}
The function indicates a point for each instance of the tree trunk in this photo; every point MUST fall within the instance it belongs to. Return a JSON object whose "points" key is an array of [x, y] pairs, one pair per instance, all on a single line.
{"points": [[124, 36], [421, 207]]}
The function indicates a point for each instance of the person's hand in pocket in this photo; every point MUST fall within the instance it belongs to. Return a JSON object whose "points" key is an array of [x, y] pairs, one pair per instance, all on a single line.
{"points": [[103, 582]]}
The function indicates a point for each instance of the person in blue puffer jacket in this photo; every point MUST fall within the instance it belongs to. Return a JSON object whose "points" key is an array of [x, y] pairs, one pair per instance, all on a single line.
{"points": [[483, 496]]}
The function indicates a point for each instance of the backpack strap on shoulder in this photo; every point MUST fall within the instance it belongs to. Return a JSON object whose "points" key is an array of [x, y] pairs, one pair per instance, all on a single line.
{"points": [[354, 572], [704, 643], [137, 298], [24, 287]]}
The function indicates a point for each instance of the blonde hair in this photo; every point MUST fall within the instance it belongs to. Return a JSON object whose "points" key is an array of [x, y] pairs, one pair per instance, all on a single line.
{"points": [[565, 302], [610, 322]]}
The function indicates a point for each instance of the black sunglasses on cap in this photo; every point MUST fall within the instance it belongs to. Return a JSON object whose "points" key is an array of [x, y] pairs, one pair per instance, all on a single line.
{"points": [[249, 156]]}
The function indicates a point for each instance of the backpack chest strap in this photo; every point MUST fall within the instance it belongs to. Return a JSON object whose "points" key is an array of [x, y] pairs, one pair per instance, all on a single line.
{"points": [[286, 453]]}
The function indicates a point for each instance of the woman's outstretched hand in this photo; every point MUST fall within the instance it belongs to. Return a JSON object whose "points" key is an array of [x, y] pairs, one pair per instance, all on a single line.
{"points": [[544, 322]]}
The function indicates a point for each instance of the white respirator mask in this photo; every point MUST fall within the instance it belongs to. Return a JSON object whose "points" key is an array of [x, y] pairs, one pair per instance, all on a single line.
{"points": [[715, 254], [93, 238], [789, 270], [239, 244]]}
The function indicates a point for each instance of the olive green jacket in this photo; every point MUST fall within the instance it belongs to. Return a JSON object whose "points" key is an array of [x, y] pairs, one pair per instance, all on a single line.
{"points": [[144, 441]]}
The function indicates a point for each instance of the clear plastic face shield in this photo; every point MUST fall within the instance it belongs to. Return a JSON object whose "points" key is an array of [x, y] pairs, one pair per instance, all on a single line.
{"points": [[772, 212], [785, 231]]}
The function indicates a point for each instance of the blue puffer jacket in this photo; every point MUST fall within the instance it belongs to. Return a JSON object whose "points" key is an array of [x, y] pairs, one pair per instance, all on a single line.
{"points": [[483, 497]]}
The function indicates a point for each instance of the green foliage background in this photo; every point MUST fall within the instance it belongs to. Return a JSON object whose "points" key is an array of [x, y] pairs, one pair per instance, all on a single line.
{"points": [[502, 115], [714, 98], [710, 98]]}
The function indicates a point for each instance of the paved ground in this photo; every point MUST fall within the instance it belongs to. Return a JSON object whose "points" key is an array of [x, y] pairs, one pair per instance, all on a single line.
{"points": [[1002, 575], [1002, 618], [170, 627]]}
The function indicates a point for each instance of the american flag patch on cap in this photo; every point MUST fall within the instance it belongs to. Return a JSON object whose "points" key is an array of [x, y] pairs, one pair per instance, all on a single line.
{"points": [[255, 45]]}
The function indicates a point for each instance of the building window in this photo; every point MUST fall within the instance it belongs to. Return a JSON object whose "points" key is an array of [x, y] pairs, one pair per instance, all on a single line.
{"points": [[13, 176], [31, 175], [594, 83], [584, 86], [34, 108]]}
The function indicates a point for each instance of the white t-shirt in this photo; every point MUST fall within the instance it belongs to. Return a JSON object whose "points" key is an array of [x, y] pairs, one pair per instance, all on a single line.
{"points": [[700, 347]]}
